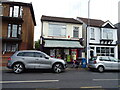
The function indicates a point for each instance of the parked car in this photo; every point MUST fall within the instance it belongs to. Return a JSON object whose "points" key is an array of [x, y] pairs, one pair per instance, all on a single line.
{"points": [[102, 63], [31, 59]]}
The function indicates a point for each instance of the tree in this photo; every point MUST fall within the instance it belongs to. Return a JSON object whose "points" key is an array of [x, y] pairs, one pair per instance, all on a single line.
{"points": [[37, 45]]}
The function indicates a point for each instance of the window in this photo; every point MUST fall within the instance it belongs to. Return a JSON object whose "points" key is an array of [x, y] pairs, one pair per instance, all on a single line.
{"points": [[28, 54], [92, 34], [14, 30], [105, 51], [93, 58], [39, 55], [1, 10], [98, 49], [57, 30], [15, 11], [100, 59], [76, 32], [11, 47], [107, 34], [113, 59], [20, 54], [104, 59]]}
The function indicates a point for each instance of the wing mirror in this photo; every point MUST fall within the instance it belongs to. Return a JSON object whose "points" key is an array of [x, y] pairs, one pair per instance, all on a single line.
{"points": [[46, 57]]}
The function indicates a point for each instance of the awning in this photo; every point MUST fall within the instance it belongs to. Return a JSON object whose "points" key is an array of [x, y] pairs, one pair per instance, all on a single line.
{"points": [[62, 44]]}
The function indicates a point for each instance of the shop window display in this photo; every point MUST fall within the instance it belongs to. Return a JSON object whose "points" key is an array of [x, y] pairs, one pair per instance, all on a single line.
{"points": [[105, 51]]}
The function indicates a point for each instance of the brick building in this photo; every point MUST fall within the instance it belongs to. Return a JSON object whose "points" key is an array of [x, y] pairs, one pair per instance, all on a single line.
{"points": [[18, 23]]}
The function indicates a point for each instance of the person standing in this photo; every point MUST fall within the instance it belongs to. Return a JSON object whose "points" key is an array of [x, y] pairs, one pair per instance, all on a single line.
{"points": [[74, 60]]}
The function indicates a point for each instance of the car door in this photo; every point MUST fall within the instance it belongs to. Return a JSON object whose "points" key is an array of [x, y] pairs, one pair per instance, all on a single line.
{"points": [[115, 63], [28, 59], [42, 61], [107, 62]]}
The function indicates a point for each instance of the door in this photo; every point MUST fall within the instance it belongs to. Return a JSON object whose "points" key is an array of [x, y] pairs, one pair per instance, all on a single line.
{"points": [[42, 61], [28, 59], [107, 62], [115, 63]]}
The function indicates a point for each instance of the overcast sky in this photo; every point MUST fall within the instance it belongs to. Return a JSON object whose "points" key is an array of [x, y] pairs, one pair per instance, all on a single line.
{"points": [[99, 9]]}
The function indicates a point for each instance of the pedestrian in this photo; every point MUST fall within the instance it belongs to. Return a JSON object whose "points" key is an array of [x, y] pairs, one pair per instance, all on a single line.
{"points": [[74, 60]]}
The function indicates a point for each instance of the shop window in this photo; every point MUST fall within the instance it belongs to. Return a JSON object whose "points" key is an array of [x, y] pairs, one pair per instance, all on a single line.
{"points": [[102, 49], [112, 50], [98, 49], [105, 51], [52, 52]]}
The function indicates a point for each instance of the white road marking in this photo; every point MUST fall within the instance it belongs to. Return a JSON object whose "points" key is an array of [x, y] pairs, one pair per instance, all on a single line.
{"points": [[105, 79], [92, 87], [32, 81]]}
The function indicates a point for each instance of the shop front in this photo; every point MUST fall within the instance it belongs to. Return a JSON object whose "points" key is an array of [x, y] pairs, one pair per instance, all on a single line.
{"points": [[104, 51], [64, 49]]}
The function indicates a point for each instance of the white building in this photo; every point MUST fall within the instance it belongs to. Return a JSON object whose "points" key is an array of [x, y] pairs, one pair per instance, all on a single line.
{"points": [[100, 38], [60, 37]]}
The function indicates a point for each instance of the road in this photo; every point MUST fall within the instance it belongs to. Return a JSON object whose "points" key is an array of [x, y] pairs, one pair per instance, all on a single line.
{"points": [[71, 78]]}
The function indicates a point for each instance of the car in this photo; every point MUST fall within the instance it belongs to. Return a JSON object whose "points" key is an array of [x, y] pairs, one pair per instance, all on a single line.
{"points": [[33, 59], [102, 63]]}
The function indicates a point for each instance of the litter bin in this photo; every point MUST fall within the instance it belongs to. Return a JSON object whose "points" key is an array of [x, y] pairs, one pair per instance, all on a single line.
{"points": [[84, 63]]}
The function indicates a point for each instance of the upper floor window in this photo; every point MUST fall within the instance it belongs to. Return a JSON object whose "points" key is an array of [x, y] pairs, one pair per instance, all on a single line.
{"points": [[107, 34], [57, 30], [75, 32], [15, 11], [92, 33], [14, 30]]}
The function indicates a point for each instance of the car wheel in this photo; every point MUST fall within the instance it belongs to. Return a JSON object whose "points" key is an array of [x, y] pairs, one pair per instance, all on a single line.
{"points": [[101, 69], [18, 68], [57, 68]]}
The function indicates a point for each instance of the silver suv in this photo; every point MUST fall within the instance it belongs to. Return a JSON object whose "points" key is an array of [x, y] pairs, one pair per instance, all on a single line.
{"points": [[31, 59], [102, 63]]}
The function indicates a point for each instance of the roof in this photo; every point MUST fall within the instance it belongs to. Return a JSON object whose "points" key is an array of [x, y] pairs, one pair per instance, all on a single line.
{"points": [[23, 4], [60, 19], [117, 25], [92, 22]]}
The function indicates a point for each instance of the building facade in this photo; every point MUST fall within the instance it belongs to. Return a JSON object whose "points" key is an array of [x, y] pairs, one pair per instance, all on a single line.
{"points": [[18, 23], [100, 38], [118, 34], [61, 37]]}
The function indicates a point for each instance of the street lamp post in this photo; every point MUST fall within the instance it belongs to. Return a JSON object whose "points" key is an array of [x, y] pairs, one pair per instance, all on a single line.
{"points": [[88, 24]]}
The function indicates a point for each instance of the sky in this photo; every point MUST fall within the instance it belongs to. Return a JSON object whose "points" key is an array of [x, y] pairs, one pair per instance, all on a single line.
{"points": [[99, 9]]}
